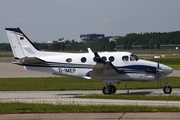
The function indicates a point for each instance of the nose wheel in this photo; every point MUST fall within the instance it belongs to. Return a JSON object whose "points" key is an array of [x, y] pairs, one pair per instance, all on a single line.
{"points": [[109, 89], [167, 89]]}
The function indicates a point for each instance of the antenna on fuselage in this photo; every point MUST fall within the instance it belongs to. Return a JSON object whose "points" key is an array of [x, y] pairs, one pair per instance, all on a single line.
{"points": [[89, 50]]}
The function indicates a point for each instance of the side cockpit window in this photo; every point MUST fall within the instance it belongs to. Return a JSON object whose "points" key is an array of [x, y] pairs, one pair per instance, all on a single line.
{"points": [[131, 58], [134, 57], [125, 58]]}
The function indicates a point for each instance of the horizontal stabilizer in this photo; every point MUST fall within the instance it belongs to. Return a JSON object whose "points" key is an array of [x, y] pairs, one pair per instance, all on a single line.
{"points": [[31, 61]]}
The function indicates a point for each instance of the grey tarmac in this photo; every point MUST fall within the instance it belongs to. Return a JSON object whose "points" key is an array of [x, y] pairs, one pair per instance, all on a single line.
{"points": [[92, 116], [9, 70], [66, 97]]}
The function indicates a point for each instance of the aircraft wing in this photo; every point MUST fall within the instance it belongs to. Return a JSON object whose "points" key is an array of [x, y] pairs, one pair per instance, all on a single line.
{"points": [[103, 69]]}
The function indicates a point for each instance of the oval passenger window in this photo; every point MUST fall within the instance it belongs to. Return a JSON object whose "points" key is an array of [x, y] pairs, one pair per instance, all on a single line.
{"points": [[111, 58], [83, 59], [68, 60]]}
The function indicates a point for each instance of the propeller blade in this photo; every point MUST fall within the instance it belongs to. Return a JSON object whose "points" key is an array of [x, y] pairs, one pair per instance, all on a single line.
{"points": [[158, 72]]}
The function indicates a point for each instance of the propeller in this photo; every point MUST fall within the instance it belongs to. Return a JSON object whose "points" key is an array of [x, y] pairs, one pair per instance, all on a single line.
{"points": [[158, 73]]}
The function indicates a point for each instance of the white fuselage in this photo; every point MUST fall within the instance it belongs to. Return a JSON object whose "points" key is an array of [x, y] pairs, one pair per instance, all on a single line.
{"points": [[71, 64]]}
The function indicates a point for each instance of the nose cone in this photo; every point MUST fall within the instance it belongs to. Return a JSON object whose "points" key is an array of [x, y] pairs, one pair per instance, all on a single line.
{"points": [[170, 70], [167, 69]]}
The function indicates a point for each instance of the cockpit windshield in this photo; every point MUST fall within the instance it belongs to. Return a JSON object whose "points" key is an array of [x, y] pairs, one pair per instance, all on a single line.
{"points": [[134, 57]]}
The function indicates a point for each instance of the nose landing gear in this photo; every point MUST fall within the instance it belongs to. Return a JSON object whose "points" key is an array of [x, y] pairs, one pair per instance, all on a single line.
{"points": [[167, 89]]}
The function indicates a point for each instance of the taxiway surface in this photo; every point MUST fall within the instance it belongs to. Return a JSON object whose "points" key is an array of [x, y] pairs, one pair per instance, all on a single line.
{"points": [[92, 116], [9, 70], [66, 97]]}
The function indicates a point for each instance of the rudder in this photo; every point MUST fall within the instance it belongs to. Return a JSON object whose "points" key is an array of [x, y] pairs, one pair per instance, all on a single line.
{"points": [[20, 44]]}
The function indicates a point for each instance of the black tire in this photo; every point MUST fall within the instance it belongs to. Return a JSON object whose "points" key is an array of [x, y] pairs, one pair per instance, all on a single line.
{"points": [[106, 91], [167, 90], [113, 89]]}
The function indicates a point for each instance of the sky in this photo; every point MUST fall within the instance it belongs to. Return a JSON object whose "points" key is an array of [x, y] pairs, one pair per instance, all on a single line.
{"points": [[44, 20]]}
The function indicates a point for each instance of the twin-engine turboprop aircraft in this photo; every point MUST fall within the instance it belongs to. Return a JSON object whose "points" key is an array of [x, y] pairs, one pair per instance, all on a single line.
{"points": [[110, 67]]}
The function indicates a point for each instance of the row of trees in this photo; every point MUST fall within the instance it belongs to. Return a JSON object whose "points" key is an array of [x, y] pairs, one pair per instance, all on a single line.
{"points": [[149, 40], [144, 40], [5, 47], [95, 44]]}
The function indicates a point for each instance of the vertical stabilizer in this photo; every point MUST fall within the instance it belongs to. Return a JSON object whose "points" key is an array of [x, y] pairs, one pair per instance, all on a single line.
{"points": [[20, 44]]}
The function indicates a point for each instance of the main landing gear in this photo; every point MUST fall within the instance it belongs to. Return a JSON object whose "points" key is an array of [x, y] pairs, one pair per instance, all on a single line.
{"points": [[109, 89]]}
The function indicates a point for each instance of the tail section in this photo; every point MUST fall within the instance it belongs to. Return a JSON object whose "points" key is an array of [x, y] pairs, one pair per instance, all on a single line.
{"points": [[20, 44]]}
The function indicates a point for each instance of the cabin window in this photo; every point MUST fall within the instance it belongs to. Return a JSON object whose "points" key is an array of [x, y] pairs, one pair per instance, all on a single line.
{"points": [[68, 60], [111, 58], [125, 58], [83, 59], [104, 58]]}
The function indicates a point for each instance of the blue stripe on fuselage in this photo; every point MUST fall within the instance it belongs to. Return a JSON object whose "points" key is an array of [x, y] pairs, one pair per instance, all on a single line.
{"points": [[128, 68], [138, 67]]}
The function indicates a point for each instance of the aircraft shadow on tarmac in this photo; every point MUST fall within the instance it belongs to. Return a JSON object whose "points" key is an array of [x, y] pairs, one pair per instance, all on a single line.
{"points": [[130, 93], [69, 94], [137, 93]]}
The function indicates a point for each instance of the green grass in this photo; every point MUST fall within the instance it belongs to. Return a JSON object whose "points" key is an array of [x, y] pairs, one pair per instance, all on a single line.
{"points": [[169, 61], [166, 60], [132, 97], [156, 52], [175, 67], [12, 108], [6, 56], [51, 83], [67, 83]]}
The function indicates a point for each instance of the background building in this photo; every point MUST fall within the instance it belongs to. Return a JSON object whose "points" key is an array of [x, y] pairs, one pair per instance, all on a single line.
{"points": [[89, 37]]}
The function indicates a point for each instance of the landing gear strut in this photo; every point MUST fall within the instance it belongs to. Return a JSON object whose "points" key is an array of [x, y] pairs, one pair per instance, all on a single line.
{"points": [[109, 89], [167, 89]]}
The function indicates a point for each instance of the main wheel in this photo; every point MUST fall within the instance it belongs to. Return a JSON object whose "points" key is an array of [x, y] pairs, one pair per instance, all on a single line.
{"points": [[113, 89], [106, 90], [167, 89]]}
